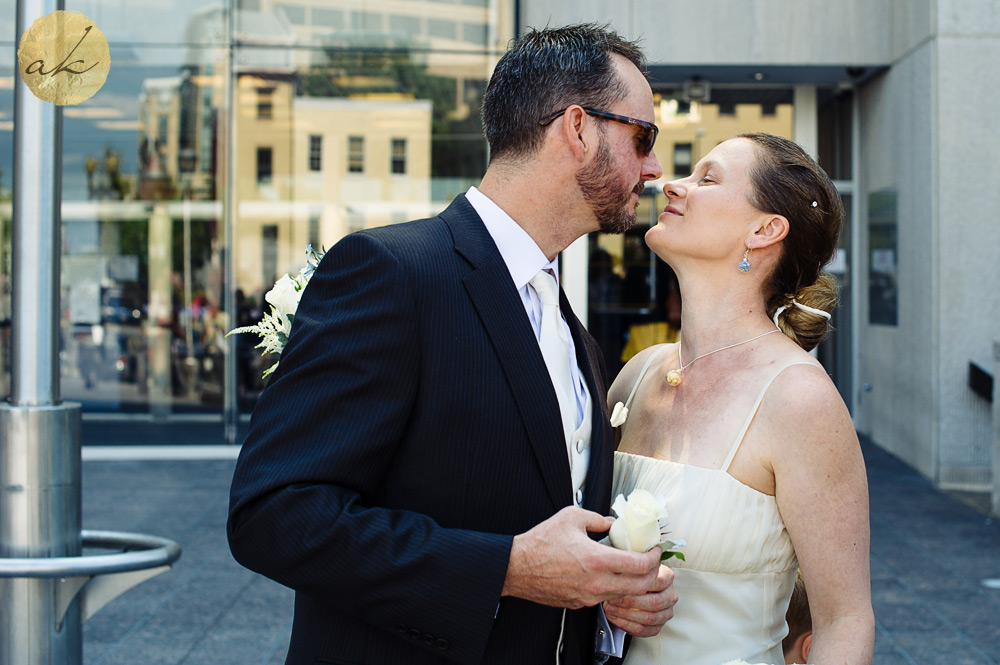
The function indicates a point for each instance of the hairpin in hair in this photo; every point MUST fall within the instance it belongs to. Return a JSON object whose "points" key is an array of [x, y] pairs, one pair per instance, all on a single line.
{"points": [[814, 204]]}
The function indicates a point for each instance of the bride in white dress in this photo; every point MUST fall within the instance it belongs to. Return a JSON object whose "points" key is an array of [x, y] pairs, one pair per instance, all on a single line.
{"points": [[741, 430]]}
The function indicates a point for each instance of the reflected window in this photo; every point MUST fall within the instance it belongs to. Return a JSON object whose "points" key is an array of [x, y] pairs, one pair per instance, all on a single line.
{"points": [[399, 156], [474, 32], [442, 29], [264, 167], [682, 159], [329, 18], [295, 14], [315, 152], [355, 154], [269, 251], [407, 25], [265, 103]]}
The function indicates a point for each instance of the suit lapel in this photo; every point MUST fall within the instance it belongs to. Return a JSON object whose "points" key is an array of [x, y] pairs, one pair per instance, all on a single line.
{"points": [[500, 309], [597, 495]]}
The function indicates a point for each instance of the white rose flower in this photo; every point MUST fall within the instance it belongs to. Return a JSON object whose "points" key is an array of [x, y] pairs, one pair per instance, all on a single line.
{"points": [[637, 528], [284, 297]]}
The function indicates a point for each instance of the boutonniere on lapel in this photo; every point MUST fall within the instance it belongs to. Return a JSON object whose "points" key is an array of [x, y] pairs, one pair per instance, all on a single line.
{"points": [[275, 326], [642, 524]]}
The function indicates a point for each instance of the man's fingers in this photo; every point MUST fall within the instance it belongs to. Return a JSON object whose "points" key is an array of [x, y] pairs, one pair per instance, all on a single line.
{"points": [[595, 522], [634, 563]]}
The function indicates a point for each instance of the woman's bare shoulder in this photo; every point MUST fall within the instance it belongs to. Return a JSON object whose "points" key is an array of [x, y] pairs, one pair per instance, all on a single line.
{"points": [[629, 374]]}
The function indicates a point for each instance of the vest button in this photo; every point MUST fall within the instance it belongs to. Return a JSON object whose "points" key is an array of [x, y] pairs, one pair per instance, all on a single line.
{"points": [[579, 446], [578, 497]]}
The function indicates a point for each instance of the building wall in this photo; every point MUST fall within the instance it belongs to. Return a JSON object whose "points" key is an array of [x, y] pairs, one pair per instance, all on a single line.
{"points": [[771, 32], [898, 363], [967, 235], [929, 133]]}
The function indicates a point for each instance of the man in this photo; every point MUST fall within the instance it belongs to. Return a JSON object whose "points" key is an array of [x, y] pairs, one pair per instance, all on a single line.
{"points": [[424, 467]]}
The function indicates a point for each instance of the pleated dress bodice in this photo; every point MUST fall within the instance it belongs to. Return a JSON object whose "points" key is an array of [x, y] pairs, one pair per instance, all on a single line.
{"points": [[734, 586]]}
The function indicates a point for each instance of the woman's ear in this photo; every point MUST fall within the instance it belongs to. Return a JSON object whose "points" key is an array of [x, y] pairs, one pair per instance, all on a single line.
{"points": [[772, 229]]}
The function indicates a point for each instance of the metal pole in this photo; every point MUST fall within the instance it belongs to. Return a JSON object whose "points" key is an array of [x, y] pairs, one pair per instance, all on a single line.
{"points": [[35, 261], [39, 436]]}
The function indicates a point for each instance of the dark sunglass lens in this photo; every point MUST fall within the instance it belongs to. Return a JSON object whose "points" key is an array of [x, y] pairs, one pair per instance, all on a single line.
{"points": [[645, 139]]}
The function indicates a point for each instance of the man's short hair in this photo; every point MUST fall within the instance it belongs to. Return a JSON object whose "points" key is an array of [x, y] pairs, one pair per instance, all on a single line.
{"points": [[544, 71]]}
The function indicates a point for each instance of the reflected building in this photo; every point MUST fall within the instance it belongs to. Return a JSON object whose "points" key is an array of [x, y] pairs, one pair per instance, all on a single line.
{"points": [[230, 136]]}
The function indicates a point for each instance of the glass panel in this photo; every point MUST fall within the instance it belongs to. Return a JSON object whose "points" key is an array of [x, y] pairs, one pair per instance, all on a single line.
{"points": [[129, 24], [634, 300], [374, 121], [345, 116], [142, 283]]}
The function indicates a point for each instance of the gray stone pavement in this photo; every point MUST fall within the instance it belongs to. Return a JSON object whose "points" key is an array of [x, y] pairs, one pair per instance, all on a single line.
{"points": [[930, 555]]}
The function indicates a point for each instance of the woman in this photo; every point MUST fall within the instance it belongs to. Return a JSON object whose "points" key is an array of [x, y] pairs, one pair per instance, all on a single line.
{"points": [[739, 428]]}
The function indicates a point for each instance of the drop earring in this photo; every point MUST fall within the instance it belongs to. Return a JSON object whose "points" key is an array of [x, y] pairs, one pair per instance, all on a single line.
{"points": [[744, 265]]}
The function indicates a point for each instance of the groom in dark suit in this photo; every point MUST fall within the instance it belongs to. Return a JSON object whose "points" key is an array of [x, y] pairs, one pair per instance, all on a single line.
{"points": [[423, 469]]}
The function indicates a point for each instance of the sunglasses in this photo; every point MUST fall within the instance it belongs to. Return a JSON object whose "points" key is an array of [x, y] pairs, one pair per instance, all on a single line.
{"points": [[645, 137]]}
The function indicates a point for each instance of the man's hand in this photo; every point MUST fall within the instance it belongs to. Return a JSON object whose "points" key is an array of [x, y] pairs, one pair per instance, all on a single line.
{"points": [[557, 564], [644, 616]]}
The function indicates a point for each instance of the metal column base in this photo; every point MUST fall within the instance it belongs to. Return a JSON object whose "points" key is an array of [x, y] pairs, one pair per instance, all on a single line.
{"points": [[47, 589], [39, 518]]}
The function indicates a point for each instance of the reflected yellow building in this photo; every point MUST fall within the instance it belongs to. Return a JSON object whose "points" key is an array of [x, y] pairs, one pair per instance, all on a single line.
{"points": [[311, 170]]}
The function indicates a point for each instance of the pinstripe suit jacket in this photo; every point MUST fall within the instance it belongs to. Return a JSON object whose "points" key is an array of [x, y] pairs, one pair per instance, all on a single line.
{"points": [[409, 432]]}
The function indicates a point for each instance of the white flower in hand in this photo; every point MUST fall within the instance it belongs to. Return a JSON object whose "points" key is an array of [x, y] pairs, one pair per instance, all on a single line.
{"points": [[642, 524]]}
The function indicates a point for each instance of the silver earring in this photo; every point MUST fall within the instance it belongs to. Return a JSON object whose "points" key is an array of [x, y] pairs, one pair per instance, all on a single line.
{"points": [[744, 265]]}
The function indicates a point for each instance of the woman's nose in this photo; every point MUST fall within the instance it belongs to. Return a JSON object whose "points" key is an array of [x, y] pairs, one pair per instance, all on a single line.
{"points": [[675, 189]]}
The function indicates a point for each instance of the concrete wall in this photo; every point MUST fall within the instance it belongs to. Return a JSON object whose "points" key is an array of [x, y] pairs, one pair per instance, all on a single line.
{"points": [[897, 363], [775, 32], [967, 234], [929, 131]]}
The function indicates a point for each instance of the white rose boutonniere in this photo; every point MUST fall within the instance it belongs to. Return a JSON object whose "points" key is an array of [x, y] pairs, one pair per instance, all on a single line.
{"points": [[274, 328], [642, 524]]}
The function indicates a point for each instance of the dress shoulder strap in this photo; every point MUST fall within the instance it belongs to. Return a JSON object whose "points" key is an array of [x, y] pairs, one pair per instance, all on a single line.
{"points": [[753, 411], [642, 373]]}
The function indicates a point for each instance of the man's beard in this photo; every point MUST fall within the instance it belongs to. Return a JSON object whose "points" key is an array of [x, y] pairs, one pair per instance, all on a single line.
{"points": [[600, 190]]}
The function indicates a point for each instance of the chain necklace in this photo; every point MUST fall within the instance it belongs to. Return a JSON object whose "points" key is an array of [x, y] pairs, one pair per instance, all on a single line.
{"points": [[675, 376]]}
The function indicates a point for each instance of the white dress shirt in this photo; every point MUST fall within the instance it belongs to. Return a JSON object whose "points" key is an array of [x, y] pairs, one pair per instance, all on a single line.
{"points": [[524, 259]]}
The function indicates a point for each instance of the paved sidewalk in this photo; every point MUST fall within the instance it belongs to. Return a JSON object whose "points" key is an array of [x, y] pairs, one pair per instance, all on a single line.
{"points": [[930, 554]]}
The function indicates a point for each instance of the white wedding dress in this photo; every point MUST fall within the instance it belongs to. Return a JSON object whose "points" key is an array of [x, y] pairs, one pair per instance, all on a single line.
{"points": [[734, 587]]}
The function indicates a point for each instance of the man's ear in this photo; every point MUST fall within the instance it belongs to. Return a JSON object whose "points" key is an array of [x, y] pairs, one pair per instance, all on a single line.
{"points": [[772, 229], [574, 120]]}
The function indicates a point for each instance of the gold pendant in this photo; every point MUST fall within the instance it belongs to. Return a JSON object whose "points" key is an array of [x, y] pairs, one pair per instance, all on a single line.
{"points": [[674, 377]]}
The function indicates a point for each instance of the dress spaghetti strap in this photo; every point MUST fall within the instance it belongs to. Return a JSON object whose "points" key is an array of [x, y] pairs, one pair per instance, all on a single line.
{"points": [[753, 412], [642, 373], [620, 412]]}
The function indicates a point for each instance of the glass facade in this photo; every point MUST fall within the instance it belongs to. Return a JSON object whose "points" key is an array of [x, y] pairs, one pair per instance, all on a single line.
{"points": [[225, 140]]}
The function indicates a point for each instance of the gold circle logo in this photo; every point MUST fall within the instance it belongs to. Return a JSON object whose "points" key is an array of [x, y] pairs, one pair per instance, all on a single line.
{"points": [[63, 58]]}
